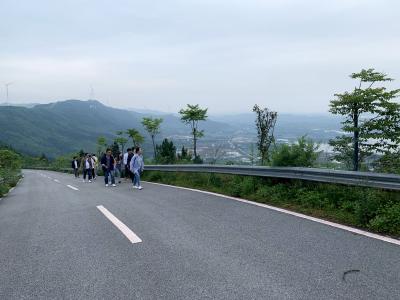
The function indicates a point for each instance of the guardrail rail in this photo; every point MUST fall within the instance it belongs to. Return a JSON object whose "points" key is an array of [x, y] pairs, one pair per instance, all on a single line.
{"points": [[366, 179]]}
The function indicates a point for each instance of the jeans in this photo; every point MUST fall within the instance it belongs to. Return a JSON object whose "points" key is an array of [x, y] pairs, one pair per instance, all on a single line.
{"points": [[87, 172], [136, 178], [76, 172], [117, 173], [127, 172], [109, 173]]}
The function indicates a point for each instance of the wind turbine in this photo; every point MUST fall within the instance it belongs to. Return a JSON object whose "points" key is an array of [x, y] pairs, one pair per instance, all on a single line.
{"points": [[91, 92], [6, 85]]}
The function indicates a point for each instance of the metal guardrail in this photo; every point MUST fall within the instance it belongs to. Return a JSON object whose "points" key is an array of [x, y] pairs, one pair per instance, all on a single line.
{"points": [[365, 179]]}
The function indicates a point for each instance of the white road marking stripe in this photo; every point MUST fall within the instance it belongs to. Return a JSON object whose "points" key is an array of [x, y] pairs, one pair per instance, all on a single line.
{"points": [[332, 224], [72, 187], [121, 226], [56, 180]]}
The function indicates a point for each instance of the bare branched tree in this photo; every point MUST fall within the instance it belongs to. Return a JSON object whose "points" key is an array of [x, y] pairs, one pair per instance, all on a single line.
{"points": [[265, 123], [217, 153]]}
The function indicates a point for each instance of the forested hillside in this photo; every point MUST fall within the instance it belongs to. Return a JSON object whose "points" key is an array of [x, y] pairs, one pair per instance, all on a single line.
{"points": [[68, 126]]}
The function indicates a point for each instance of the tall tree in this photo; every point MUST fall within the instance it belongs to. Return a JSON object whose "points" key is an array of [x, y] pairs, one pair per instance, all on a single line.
{"points": [[136, 137], [265, 122], [372, 118], [121, 140], [191, 116], [152, 126]]}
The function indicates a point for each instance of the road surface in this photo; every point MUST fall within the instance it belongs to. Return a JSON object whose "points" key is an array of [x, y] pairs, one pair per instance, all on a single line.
{"points": [[64, 239]]}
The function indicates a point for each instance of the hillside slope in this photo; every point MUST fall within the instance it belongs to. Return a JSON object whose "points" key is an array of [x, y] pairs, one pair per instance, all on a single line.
{"points": [[68, 126]]}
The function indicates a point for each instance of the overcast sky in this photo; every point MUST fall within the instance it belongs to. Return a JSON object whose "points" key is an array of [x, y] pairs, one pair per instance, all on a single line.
{"points": [[288, 55]]}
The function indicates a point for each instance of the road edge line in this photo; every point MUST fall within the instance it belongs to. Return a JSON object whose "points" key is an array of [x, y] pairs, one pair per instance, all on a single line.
{"points": [[292, 213]]}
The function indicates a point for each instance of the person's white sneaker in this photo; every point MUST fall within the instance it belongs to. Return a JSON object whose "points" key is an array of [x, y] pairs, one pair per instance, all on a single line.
{"points": [[114, 184], [107, 185], [83, 181], [139, 188], [90, 181], [134, 187]]}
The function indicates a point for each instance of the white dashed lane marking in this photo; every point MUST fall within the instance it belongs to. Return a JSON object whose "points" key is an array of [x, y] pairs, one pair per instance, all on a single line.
{"points": [[72, 187], [131, 236]]}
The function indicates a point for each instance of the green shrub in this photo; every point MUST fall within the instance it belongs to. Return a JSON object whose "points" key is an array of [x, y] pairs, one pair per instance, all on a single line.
{"points": [[166, 152], [10, 168], [263, 193], [10, 160], [367, 208], [388, 163], [214, 180], [387, 220], [302, 154], [248, 185]]}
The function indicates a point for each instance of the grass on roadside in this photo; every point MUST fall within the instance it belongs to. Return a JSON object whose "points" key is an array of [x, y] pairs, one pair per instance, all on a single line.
{"points": [[8, 180]]}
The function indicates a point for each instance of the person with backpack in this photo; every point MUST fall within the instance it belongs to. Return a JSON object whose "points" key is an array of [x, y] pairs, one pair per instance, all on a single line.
{"points": [[136, 167], [108, 165]]}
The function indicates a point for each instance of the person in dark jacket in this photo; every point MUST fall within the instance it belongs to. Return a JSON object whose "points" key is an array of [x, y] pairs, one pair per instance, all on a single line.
{"points": [[75, 166], [129, 174], [107, 164]]}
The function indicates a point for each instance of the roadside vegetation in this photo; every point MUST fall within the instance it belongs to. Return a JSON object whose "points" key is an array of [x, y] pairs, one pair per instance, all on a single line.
{"points": [[10, 169], [367, 208]]}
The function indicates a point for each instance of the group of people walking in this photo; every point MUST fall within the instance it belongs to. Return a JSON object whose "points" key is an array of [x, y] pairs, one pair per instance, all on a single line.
{"points": [[130, 165]]}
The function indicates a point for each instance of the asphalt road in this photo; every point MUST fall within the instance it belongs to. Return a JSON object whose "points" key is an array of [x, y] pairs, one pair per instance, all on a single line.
{"points": [[56, 244]]}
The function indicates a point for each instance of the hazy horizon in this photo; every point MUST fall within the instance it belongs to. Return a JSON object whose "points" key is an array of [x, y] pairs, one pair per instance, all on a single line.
{"points": [[155, 111], [290, 56]]}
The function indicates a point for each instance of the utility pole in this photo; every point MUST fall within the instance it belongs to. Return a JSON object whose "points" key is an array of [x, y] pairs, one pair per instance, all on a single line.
{"points": [[91, 92]]}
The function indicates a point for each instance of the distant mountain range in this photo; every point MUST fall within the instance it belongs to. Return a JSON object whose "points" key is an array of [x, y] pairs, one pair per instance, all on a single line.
{"points": [[320, 127], [28, 105], [68, 126]]}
